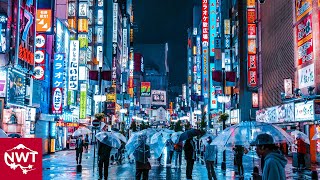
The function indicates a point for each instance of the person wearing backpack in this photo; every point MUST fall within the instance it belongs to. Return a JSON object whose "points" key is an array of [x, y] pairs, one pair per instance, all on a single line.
{"points": [[142, 155], [178, 154]]}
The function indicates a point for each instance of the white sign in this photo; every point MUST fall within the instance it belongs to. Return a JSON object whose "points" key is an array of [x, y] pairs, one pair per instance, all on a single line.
{"points": [[125, 47], [288, 87], [40, 41], [158, 97], [90, 17], [115, 22], [304, 111], [100, 17], [83, 9], [31, 114], [161, 114], [39, 56], [100, 55], [99, 33], [306, 76], [71, 9], [57, 100], [40, 72], [73, 65]]}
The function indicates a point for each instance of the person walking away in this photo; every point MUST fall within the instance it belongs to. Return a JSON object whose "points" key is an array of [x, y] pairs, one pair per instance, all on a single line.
{"points": [[210, 157], [79, 149], [104, 156], [190, 156], [302, 150], [86, 142], [142, 155], [239, 151], [178, 154], [274, 161], [170, 148]]}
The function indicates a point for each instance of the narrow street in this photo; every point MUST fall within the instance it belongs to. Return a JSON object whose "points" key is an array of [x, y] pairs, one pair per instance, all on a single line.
{"points": [[61, 165]]}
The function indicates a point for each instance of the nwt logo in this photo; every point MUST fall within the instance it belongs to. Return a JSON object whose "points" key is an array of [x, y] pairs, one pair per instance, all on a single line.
{"points": [[21, 157]]}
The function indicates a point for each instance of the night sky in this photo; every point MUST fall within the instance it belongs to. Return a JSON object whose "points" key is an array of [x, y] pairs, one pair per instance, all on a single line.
{"points": [[161, 21]]}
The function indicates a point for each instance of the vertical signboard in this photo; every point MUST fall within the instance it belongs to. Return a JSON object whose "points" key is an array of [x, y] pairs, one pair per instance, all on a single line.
{"points": [[302, 7], [57, 83], [205, 23], [73, 65], [212, 23], [252, 48], [3, 29], [3, 83], [44, 21], [213, 99], [205, 74], [198, 66], [115, 22], [83, 101]]}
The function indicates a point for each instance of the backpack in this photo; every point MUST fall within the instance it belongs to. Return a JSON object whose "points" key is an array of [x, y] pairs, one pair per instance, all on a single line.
{"points": [[141, 154], [178, 147]]}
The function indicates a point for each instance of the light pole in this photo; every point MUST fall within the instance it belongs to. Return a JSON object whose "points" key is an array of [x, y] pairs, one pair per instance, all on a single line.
{"points": [[223, 99]]}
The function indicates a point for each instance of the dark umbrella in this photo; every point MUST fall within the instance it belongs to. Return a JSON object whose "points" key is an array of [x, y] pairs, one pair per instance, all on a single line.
{"points": [[189, 134], [14, 135]]}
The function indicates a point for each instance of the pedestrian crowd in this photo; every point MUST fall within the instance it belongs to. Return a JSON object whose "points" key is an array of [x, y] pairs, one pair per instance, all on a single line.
{"points": [[272, 165]]}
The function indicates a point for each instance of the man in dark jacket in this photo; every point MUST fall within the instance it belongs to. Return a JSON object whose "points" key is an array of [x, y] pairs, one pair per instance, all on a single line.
{"points": [[79, 149], [190, 156], [104, 156], [142, 155]]}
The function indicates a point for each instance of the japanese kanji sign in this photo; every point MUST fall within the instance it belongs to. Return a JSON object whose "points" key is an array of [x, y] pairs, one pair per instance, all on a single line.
{"points": [[73, 65], [57, 101], [83, 101]]}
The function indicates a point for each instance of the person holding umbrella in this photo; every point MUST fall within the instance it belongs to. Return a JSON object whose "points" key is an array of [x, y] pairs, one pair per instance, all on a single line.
{"points": [[190, 156], [79, 149], [170, 146], [104, 156], [142, 155], [274, 161]]}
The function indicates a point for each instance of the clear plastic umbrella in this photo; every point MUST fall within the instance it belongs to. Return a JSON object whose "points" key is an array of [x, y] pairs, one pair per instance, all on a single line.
{"points": [[81, 131], [175, 136], [3, 134], [316, 136], [109, 139], [299, 134], [157, 144], [119, 136], [133, 142], [246, 132]]}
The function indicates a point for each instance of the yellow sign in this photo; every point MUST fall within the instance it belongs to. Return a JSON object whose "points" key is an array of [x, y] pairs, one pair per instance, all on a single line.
{"points": [[111, 97], [82, 25], [72, 23], [251, 3]]}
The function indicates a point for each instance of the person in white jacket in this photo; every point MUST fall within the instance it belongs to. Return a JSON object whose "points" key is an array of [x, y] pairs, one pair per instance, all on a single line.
{"points": [[210, 157]]}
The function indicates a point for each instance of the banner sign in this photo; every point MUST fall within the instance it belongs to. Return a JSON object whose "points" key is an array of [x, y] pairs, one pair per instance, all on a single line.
{"points": [[73, 65], [205, 23], [304, 30], [213, 99], [115, 22], [58, 69], [57, 101], [16, 90], [213, 19], [205, 74], [305, 52], [44, 20], [302, 8], [83, 101], [3, 29], [304, 111], [306, 76], [288, 87], [145, 89], [252, 31], [158, 97]]}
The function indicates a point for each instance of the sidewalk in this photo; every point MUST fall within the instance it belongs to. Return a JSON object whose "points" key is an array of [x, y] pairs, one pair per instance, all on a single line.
{"points": [[62, 165]]}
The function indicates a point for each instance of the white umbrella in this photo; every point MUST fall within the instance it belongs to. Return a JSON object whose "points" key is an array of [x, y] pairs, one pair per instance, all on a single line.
{"points": [[175, 136], [3, 134], [246, 132], [299, 134], [119, 136], [109, 139], [81, 131]]}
